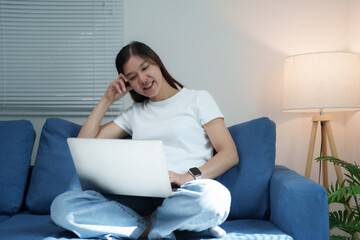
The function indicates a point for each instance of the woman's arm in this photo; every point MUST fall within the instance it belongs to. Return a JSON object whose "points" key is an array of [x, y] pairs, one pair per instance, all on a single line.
{"points": [[92, 127], [225, 158], [224, 145]]}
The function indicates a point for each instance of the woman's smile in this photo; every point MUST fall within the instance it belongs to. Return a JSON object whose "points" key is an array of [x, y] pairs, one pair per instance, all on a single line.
{"points": [[149, 86]]}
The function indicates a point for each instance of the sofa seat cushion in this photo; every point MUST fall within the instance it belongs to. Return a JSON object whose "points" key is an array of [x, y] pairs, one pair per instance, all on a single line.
{"points": [[253, 229], [245, 229], [26, 226], [249, 180], [3, 218], [54, 171], [16, 146]]}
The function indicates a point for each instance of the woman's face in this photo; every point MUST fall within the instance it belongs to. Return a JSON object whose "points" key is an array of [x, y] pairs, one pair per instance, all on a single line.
{"points": [[144, 77]]}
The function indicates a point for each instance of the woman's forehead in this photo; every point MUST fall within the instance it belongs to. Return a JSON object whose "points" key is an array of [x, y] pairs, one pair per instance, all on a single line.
{"points": [[133, 63]]}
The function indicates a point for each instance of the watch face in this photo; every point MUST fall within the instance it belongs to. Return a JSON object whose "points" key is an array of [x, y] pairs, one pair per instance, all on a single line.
{"points": [[195, 171]]}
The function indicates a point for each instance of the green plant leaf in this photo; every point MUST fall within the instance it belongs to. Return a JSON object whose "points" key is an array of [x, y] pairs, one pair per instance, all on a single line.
{"points": [[344, 221], [347, 220], [353, 169], [341, 194], [351, 180]]}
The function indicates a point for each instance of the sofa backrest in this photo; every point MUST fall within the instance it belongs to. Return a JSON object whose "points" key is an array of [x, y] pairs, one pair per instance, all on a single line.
{"points": [[54, 171], [249, 181], [16, 146]]}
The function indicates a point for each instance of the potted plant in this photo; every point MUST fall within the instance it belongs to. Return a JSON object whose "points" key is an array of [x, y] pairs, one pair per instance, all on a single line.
{"points": [[348, 194]]}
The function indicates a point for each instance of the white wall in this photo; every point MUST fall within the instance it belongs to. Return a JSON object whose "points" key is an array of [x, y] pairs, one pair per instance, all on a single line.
{"points": [[353, 119], [235, 50]]}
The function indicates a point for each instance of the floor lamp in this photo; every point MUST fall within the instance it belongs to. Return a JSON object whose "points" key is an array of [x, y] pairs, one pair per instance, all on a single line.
{"points": [[322, 82]]}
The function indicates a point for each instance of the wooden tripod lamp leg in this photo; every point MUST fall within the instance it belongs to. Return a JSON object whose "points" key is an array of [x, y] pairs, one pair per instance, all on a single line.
{"points": [[323, 154], [311, 149]]}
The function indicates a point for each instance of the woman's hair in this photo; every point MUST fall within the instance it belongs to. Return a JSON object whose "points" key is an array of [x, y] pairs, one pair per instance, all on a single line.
{"points": [[145, 52]]}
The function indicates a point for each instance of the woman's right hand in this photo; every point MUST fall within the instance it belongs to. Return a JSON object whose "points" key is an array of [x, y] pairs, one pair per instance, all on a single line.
{"points": [[92, 127], [117, 89]]}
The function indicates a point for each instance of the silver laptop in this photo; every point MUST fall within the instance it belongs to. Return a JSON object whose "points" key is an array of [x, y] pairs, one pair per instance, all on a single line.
{"points": [[122, 167]]}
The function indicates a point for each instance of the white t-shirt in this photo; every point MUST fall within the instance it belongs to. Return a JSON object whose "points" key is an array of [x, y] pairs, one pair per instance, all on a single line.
{"points": [[177, 122]]}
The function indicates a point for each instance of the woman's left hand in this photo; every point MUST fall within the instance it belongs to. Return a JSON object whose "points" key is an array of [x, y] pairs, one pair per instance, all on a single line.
{"points": [[177, 179]]}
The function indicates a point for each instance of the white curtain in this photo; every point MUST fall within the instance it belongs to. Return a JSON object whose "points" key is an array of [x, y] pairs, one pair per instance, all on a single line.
{"points": [[57, 57]]}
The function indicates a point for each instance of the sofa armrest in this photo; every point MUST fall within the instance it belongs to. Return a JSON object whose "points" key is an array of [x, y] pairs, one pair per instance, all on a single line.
{"points": [[299, 206]]}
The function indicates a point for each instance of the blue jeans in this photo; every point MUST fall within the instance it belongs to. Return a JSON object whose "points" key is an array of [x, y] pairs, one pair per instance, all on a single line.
{"points": [[196, 206]]}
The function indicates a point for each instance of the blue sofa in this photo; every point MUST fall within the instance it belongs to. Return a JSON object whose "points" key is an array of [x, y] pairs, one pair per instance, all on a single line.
{"points": [[268, 201]]}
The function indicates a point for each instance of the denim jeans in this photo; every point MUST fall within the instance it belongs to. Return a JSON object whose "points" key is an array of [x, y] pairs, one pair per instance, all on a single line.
{"points": [[196, 206]]}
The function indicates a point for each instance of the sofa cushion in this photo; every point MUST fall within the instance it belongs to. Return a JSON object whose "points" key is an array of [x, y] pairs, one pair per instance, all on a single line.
{"points": [[16, 145], [249, 181], [25, 226], [54, 171], [253, 229], [3, 217]]}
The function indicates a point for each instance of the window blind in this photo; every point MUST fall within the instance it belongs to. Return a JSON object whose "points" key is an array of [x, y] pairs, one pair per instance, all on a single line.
{"points": [[57, 57]]}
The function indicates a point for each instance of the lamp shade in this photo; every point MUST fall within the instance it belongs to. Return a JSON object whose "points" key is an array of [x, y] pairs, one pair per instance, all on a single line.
{"points": [[327, 81]]}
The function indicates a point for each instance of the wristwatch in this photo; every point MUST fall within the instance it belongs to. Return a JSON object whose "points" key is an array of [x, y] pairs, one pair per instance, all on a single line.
{"points": [[195, 172]]}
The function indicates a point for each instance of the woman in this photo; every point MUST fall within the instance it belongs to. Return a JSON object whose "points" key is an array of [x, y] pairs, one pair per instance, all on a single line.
{"points": [[190, 125]]}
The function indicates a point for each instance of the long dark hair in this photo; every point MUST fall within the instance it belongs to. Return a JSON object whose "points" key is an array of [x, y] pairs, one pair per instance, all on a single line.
{"points": [[142, 50]]}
